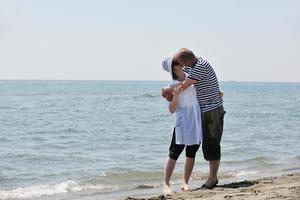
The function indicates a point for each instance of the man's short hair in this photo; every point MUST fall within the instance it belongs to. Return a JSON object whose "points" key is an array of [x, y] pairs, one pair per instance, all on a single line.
{"points": [[185, 55]]}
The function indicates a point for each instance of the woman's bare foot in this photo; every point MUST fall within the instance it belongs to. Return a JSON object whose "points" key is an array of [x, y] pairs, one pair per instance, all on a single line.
{"points": [[167, 190], [185, 187]]}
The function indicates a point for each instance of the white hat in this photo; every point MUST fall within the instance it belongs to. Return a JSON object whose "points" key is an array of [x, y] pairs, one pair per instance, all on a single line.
{"points": [[167, 64]]}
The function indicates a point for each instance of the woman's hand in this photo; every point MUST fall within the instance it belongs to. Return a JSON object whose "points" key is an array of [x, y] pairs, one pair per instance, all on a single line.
{"points": [[166, 90], [221, 93]]}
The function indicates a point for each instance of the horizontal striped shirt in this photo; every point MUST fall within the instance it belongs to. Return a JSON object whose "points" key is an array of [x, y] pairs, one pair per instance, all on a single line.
{"points": [[208, 92]]}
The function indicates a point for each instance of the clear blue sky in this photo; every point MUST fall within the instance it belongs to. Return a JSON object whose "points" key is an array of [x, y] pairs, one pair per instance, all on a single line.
{"points": [[126, 40]]}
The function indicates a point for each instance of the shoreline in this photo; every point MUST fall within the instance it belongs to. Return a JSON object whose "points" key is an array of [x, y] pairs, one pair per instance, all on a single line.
{"points": [[275, 186], [278, 187]]}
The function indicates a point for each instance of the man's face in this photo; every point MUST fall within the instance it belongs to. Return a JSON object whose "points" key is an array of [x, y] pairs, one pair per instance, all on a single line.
{"points": [[189, 63], [185, 63], [180, 62]]}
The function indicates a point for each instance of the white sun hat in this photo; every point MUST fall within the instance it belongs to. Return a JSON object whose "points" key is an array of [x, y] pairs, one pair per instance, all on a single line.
{"points": [[167, 64]]}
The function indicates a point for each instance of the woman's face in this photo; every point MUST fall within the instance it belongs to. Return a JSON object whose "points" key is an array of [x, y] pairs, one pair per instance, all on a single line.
{"points": [[178, 70]]}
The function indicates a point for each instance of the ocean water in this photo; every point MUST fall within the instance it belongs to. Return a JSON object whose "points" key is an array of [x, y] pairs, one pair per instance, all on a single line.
{"points": [[78, 139]]}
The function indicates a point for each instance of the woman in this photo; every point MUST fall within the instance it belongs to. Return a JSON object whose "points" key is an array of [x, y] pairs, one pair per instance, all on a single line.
{"points": [[187, 132]]}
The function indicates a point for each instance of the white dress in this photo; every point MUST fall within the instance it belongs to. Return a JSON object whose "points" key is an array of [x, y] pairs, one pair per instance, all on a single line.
{"points": [[188, 126]]}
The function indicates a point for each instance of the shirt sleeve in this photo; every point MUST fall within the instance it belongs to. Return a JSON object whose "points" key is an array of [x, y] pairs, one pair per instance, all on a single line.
{"points": [[198, 72]]}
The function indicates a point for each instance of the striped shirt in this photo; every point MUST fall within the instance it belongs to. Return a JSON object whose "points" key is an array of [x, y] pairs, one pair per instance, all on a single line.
{"points": [[208, 92]]}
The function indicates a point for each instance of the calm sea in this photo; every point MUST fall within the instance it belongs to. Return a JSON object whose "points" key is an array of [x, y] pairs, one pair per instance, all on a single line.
{"points": [[75, 139]]}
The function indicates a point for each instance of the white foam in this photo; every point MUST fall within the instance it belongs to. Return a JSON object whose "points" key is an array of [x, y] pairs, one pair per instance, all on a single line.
{"points": [[245, 173], [40, 190]]}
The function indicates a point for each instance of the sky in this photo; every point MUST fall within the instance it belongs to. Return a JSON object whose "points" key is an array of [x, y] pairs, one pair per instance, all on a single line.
{"points": [[244, 40]]}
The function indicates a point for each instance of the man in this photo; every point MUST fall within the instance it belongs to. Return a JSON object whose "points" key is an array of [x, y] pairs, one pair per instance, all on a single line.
{"points": [[202, 75]]}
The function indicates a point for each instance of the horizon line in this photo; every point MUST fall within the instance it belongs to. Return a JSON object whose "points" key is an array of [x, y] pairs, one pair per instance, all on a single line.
{"points": [[232, 81]]}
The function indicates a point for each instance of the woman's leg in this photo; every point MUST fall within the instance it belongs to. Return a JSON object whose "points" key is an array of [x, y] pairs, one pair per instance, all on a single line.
{"points": [[175, 151], [188, 168], [189, 164], [169, 168]]}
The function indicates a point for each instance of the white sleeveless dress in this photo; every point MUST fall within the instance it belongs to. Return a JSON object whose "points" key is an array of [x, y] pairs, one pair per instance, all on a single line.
{"points": [[188, 126]]}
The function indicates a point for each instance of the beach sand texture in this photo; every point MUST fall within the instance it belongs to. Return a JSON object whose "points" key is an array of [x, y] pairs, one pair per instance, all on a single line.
{"points": [[283, 187]]}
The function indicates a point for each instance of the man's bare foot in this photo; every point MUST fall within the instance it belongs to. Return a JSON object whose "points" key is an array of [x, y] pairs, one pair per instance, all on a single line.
{"points": [[185, 187], [167, 190]]}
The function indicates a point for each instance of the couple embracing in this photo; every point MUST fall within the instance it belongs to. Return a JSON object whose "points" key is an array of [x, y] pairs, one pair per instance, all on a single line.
{"points": [[195, 97]]}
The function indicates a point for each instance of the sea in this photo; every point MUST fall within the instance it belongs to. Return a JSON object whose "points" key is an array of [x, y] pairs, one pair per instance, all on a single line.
{"points": [[110, 139]]}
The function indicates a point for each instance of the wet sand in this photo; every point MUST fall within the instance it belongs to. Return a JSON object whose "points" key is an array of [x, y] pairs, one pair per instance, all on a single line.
{"points": [[273, 188]]}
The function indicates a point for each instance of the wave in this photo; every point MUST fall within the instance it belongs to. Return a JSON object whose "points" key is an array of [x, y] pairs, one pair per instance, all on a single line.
{"points": [[225, 174], [244, 173], [41, 190], [153, 176], [258, 160], [64, 130], [6, 108], [291, 169], [147, 96], [126, 175], [136, 97], [114, 180]]}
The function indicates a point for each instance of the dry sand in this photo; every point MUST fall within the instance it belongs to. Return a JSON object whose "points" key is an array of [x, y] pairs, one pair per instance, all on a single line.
{"points": [[283, 187]]}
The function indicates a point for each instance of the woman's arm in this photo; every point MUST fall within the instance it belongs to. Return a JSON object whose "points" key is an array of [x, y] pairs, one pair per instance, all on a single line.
{"points": [[168, 89], [173, 104]]}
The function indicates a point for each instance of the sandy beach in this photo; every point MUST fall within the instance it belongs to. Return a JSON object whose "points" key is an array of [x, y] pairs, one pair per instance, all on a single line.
{"points": [[282, 187]]}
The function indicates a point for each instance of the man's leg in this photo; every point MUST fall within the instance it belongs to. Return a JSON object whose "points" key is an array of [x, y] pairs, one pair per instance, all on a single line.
{"points": [[213, 172], [212, 122], [212, 151]]}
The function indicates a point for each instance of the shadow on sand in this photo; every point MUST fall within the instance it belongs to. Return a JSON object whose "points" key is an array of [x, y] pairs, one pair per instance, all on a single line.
{"points": [[240, 184]]}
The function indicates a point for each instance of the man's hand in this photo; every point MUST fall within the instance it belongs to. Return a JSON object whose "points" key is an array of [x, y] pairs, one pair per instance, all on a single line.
{"points": [[186, 83], [176, 90]]}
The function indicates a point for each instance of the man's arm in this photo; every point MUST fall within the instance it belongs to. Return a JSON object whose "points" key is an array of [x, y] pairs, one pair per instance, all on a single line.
{"points": [[186, 83]]}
